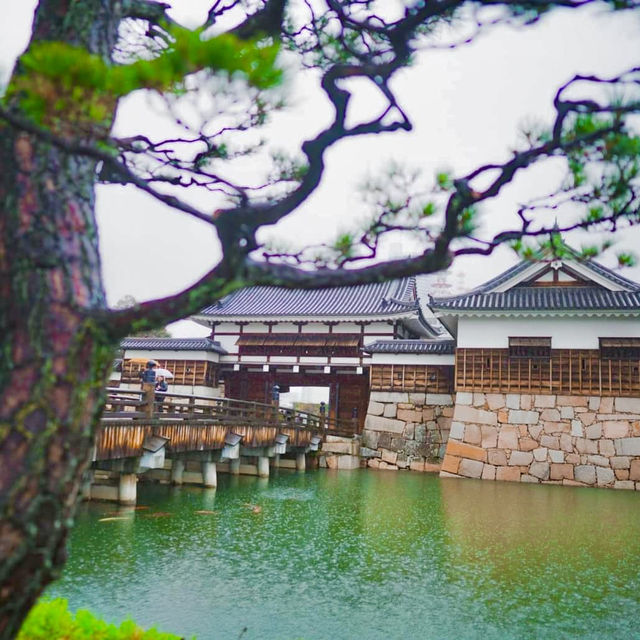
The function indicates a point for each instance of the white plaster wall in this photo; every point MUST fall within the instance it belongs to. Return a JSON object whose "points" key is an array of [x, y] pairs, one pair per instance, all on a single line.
{"points": [[351, 361], [314, 327], [256, 327], [379, 327], [311, 360], [284, 327], [566, 333], [228, 343], [226, 327], [412, 358]]}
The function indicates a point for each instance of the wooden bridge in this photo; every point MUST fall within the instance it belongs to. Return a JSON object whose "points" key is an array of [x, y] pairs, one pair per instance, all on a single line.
{"points": [[140, 429]]}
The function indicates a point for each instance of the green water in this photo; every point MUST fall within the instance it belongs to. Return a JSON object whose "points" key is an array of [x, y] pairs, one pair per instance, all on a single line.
{"points": [[363, 554]]}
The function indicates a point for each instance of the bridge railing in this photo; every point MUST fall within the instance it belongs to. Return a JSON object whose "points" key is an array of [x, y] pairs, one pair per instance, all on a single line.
{"points": [[133, 405]]}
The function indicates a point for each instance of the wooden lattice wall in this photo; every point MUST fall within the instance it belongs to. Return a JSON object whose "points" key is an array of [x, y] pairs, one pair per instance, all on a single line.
{"points": [[413, 378], [185, 372], [566, 371]]}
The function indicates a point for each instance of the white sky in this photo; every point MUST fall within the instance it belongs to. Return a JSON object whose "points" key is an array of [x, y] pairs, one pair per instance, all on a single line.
{"points": [[466, 106]]}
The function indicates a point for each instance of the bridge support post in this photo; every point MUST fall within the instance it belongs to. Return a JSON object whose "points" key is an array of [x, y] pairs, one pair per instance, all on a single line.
{"points": [[177, 470], [127, 490], [209, 474], [263, 467], [234, 466], [301, 461]]}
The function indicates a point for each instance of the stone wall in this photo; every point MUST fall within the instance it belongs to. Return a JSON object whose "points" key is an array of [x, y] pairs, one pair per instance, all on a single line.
{"points": [[406, 430], [570, 440]]}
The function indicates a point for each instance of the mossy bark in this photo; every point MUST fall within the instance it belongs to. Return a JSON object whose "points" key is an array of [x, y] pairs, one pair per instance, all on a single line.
{"points": [[55, 355]]}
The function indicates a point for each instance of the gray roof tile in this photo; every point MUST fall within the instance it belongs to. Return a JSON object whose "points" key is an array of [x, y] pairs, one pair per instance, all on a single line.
{"points": [[170, 344], [397, 297], [411, 346]]}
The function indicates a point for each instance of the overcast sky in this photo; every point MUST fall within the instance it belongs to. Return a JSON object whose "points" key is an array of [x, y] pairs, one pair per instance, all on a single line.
{"points": [[466, 106]]}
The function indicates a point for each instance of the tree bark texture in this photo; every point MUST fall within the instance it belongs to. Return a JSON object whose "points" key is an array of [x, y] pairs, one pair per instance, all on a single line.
{"points": [[55, 356]]}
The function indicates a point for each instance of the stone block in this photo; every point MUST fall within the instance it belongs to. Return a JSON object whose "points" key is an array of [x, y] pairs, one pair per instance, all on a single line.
{"points": [[606, 405], [404, 405], [527, 444], [336, 447], [462, 450], [615, 428], [365, 452], [390, 410], [587, 418], [565, 443], [535, 430], [378, 423], [544, 402], [539, 470], [384, 440], [550, 415], [585, 446], [573, 401], [525, 477], [620, 462], [600, 461], [604, 476], [332, 462], [512, 400], [420, 433], [440, 399], [621, 474], [585, 473], [397, 444], [375, 408], [594, 431], [489, 437], [447, 412], [520, 458], [417, 399], [450, 464], [479, 400], [472, 434], [508, 474], [476, 416], [623, 484], [387, 467], [508, 438], [556, 456], [560, 471], [634, 470], [526, 401], [551, 442], [388, 396], [627, 446], [464, 398], [497, 457], [470, 468], [606, 448], [374, 463], [409, 431], [428, 414], [409, 415], [402, 461], [628, 405], [576, 429], [432, 467], [495, 401], [594, 403], [540, 454], [567, 413], [370, 439], [572, 458], [488, 472], [503, 416], [416, 465], [389, 456], [523, 417], [523, 430]]}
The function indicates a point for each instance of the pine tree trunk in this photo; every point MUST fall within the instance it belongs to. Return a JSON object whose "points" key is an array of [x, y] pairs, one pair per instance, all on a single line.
{"points": [[55, 355]]}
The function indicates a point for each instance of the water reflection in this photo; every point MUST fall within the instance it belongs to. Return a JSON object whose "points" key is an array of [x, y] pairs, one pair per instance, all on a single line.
{"points": [[363, 555]]}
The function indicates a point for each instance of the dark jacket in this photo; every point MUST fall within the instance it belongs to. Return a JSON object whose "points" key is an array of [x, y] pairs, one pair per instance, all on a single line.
{"points": [[148, 375], [161, 385]]}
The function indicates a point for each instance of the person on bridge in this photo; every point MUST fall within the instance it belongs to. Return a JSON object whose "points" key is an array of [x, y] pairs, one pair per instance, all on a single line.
{"points": [[149, 374]]}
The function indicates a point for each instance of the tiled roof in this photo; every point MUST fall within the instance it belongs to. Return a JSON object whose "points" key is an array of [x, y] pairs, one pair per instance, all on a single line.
{"points": [[411, 346], [173, 344], [544, 299], [377, 299]]}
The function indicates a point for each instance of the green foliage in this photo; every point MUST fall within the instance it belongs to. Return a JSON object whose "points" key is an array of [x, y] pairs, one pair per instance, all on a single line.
{"points": [[52, 620], [62, 83]]}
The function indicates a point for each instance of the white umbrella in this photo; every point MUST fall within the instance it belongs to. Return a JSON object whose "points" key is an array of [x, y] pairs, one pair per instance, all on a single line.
{"points": [[164, 372]]}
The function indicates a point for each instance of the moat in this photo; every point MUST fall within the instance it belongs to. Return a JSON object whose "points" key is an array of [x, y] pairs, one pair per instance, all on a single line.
{"points": [[362, 554]]}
